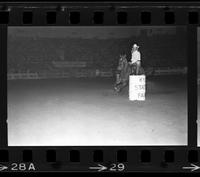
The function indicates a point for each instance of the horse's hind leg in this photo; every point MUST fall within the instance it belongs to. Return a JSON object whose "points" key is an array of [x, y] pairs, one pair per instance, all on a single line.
{"points": [[125, 84]]}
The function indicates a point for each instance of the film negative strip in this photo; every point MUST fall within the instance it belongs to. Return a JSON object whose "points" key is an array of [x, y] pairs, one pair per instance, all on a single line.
{"points": [[99, 87]]}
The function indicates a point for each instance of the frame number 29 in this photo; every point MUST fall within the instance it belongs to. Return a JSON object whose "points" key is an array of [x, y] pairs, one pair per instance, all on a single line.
{"points": [[117, 167]]}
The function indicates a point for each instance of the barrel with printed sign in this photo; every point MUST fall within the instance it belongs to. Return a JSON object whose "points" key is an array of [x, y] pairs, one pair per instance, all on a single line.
{"points": [[137, 87]]}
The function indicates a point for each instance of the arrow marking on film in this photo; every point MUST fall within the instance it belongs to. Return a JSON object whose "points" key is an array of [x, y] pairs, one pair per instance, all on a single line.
{"points": [[2, 167], [99, 168], [192, 168]]}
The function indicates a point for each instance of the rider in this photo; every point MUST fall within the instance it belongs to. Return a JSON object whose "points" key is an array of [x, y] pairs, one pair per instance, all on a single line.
{"points": [[136, 58]]}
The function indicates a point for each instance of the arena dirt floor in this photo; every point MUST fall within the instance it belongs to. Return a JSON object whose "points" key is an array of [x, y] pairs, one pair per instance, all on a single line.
{"points": [[84, 112]]}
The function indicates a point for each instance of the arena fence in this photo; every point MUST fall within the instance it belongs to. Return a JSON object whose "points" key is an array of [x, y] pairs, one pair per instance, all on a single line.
{"points": [[89, 74]]}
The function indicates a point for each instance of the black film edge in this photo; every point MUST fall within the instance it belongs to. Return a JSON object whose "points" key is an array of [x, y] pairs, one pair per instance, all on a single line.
{"points": [[66, 104]]}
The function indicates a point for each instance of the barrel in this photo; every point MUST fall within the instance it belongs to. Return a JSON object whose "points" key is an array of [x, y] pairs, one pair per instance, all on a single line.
{"points": [[137, 87]]}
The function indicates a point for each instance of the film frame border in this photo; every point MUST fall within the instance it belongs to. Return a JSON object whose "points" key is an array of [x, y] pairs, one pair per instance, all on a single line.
{"points": [[73, 158]]}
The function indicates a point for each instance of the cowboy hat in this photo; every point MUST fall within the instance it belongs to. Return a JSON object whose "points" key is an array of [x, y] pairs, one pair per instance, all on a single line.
{"points": [[135, 46]]}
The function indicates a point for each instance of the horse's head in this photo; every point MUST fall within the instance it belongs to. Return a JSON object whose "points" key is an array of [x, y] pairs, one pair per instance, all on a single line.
{"points": [[122, 73], [122, 62]]}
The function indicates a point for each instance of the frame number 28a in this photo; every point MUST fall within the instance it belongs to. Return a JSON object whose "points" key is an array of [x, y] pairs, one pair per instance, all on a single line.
{"points": [[22, 167]]}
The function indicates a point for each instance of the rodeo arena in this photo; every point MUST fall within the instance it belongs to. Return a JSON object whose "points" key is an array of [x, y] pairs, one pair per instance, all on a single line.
{"points": [[98, 86]]}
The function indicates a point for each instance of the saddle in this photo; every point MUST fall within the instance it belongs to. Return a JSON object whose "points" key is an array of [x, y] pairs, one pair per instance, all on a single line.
{"points": [[133, 68]]}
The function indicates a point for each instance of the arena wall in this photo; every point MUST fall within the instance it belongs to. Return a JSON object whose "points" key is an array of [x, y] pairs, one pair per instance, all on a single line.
{"points": [[100, 56]]}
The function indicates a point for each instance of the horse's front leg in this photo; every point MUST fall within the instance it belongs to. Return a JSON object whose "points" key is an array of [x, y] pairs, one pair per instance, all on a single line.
{"points": [[117, 83], [121, 86], [117, 87]]}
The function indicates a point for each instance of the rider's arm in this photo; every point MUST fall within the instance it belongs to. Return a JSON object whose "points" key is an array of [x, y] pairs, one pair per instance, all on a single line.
{"points": [[132, 57], [139, 56]]}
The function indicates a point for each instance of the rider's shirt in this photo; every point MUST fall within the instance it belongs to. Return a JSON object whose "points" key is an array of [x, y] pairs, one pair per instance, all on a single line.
{"points": [[135, 56]]}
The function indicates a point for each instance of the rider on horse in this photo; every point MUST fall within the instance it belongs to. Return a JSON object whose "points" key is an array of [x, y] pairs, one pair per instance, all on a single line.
{"points": [[135, 59], [126, 68]]}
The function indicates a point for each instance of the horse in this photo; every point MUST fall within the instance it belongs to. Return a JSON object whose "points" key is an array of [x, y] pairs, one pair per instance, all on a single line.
{"points": [[125, 69]]}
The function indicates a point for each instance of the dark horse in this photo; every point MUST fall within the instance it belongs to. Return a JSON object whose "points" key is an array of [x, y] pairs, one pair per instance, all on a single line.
{"points": [[125, 69]]}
